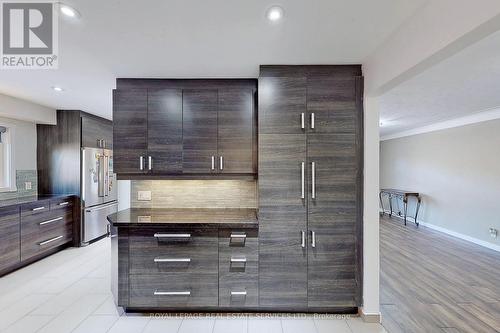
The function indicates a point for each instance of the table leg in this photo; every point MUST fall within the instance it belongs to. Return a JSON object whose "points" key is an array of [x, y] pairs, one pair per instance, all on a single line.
{"points": [[390, 205], [416, 211], [405, 202], [381, 203]]}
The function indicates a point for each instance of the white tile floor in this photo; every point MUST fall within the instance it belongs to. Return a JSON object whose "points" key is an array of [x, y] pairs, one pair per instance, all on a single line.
{"points": [[69, 292]]}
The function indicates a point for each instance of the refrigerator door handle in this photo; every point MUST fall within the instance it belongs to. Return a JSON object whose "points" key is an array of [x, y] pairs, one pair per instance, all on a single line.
{"points": [[100, 176], [106, 175]]}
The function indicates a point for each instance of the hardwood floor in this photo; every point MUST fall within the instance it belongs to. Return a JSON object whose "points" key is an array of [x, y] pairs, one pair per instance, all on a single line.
{"points": [[432, 282]]}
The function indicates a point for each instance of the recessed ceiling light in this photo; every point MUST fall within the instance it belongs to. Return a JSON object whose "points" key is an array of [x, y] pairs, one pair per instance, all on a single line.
{"points": [[275, 13], [58, 89], [68, 11]]}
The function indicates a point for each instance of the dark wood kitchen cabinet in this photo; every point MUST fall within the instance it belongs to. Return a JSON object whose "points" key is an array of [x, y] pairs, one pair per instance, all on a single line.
{"points": [[130, 130], [185, 128], [199, 113], [310, 187], [97, 132], [10, 237]]}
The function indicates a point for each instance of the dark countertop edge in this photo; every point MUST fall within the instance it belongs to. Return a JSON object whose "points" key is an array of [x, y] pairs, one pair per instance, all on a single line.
{"points": [[30, 199]]}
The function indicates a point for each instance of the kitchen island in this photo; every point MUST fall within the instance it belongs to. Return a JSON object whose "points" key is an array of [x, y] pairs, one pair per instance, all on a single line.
{"points": [[185, 259]]}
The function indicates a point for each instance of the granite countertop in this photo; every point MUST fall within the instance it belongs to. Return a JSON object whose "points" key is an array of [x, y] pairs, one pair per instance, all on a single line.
{"points": [[28, 199], [183, 217]]}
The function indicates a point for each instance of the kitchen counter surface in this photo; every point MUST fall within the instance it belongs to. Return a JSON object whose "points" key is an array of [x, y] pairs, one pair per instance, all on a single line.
{"points": [[183, 217], [29, 199]]}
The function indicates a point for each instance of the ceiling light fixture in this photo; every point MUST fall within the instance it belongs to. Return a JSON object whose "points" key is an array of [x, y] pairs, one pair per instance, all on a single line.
{"points": [[58, 89], [275, 13], [68, 11]]}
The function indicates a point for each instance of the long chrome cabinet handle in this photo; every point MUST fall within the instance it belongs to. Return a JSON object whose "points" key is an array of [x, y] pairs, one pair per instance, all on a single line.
{"points": [[303, 243], [50, 240], [312, 120], [221, 163], [238, 293], [65, 203], [238, 236], [141, 163], [38, 208], [50, 221], [313, 239], [171, 293], [172, 259], [302, 121], [303, 194], [238, 259], [150, 163], [213, 162], [159, 235], [313, 179]]}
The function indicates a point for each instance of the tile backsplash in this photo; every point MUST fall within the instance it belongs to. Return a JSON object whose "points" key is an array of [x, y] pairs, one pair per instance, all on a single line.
{"points": [[22, 176], [195, 193]]}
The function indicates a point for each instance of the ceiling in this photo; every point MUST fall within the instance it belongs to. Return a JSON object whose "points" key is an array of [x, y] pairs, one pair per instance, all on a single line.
{"points": [[466, 83], [199, 38]]}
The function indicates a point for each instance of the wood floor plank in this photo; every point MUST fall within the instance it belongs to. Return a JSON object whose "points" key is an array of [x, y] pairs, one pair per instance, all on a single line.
{"points": [[432, 282]]}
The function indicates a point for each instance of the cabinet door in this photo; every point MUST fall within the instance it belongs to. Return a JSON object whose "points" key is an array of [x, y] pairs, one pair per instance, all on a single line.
{"points": [[282, 104], [10, 248], [165, 131], [130, 128], [199, 131], [97, 133], [332, 103], [236, 128], [334, 206], [282, 219]]}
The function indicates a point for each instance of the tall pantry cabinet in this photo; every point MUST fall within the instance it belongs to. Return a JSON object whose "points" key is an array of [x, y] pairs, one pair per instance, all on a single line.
{"points": [[310, 186]]}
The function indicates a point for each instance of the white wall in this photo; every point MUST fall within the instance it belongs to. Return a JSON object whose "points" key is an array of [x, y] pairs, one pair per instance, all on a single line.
{"points": [[15, 108], [458, 172]]}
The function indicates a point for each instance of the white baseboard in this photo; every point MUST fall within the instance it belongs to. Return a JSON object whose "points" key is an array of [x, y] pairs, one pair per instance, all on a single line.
{"points": [[476, 241]]}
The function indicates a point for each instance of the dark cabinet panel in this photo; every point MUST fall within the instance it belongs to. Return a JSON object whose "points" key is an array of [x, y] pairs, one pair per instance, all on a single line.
{"points": [[282, 220], [282, 104], [130, 128], [333, 104], [165, 131], [236, 131], [97, 133], [199, 131], [10, 253], [333, 194]]}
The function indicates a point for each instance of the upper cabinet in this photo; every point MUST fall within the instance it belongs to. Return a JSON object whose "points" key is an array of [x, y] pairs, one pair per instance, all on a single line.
{"points": [[185, 128], [97, 132]]}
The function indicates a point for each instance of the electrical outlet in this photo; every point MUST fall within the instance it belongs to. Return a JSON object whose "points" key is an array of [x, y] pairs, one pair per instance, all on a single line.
{"points": [[493, 232], [144, 195], [27, 185]]}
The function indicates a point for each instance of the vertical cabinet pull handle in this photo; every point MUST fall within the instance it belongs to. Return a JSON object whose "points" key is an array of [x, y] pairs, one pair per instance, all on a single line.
{"points": [[213, 162], [313, 239], [221, 163], [141, 163], [313, 180], [302, 121], [303, 243], [303, 194], [312, 120], [150, 163]]}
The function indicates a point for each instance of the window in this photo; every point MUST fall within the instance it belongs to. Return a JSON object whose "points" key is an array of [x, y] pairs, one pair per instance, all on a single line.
{"points": [[7, 176]]}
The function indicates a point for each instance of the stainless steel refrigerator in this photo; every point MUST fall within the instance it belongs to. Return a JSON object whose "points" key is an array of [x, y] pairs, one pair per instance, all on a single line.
{"points": [[99, 192]]}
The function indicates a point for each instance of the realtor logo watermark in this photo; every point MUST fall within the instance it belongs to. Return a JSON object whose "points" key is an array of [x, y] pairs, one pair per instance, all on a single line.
{"points": [[29, 36]]}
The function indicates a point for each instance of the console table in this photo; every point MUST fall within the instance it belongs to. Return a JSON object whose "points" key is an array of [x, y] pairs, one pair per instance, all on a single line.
{"points": [[403, 195]]}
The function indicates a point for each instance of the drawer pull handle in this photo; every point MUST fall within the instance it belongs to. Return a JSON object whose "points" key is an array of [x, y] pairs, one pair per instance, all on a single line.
{"points": [[38, 208], [50, 221], [171, 293], [238, 259], [50, 240], [238, 293], [172, 259], [157, 235], [65, 203], [238, 236]]}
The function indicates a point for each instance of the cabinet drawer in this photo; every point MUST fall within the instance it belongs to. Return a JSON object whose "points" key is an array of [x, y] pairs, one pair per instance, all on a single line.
{"points": [[174, 251], [35, 208], [238, 268], [34, 244], [173, 290], [39, 224], [61, 203]]}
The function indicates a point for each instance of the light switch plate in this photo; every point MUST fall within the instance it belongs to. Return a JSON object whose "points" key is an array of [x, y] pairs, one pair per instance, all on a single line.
{"points": [[27, 185], [144, 195]]}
